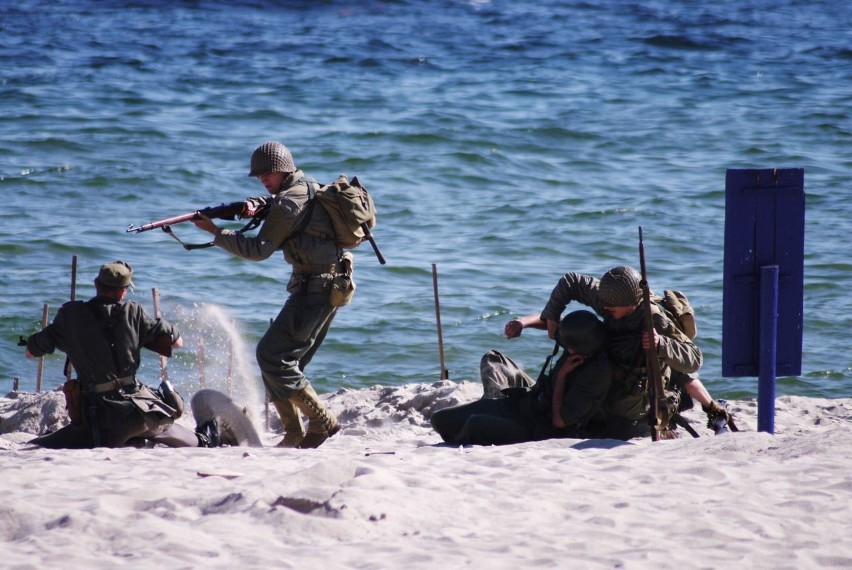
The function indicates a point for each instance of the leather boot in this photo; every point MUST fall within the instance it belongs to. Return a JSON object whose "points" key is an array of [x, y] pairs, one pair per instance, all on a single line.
{"points": [[321, 424], [291, 419], [208, 434]]}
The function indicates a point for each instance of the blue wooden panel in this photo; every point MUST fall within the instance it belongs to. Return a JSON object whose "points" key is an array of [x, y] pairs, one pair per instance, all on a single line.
{"points": [[764, 225]]}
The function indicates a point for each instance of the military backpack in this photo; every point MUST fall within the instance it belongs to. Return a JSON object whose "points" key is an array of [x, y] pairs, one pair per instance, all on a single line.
{"points": [[350, 208], [679, 311]]}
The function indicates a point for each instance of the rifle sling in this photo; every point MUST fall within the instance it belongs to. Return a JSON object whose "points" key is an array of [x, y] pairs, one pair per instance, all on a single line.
{"points": [[252, 224]]}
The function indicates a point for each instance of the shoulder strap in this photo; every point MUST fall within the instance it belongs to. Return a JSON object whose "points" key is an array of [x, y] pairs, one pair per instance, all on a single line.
{"points": [[545, 372], [313, 186]]}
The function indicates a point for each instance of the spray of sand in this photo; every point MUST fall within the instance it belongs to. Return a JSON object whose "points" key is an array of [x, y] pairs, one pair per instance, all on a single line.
{"points": [[215, 355]]}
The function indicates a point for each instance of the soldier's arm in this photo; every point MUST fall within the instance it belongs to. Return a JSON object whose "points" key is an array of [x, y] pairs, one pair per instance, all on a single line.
{"points": [[571, 287], [47, 339]]}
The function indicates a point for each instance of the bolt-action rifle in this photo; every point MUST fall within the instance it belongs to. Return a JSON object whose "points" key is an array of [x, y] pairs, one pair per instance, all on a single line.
{"points": [[661, 412], [254, 208]]}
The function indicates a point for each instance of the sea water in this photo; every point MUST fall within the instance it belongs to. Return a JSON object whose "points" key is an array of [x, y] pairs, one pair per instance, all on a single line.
{"points": [[505, 142]]}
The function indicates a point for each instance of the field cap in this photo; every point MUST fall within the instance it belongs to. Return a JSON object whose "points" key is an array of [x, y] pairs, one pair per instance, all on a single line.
{"points": [[116, 274]]}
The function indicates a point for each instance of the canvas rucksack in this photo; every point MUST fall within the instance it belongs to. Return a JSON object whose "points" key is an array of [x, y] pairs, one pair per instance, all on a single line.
{"points": [[350, 208], [678, 309]]}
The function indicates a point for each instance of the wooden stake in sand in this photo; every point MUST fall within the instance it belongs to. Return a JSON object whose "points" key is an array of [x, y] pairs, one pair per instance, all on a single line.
{"points": [[69, 368], [164, 372], [40, 371], [445, 375]]}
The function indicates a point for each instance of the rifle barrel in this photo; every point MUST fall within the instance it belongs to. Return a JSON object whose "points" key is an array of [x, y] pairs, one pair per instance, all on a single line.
{"points": [[659, 413], [159, 224]]}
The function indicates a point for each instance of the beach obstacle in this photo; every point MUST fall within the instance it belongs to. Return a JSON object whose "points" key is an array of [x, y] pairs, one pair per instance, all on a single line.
{"points": [[40, 369], [763, 283], [445, 375], [69, 368]]}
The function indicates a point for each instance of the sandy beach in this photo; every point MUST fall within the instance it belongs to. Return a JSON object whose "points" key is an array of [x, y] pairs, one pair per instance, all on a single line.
{"points": [[386, 493]]}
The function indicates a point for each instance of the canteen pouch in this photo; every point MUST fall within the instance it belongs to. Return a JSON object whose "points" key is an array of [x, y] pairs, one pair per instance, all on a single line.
{"points": [[153, 412], [343, 284], [149, 402]]}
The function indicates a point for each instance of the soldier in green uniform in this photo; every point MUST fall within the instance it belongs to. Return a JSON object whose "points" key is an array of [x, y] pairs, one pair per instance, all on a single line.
{"points": [[564, 402], [103, 338], [617, 297], [301, 326]]}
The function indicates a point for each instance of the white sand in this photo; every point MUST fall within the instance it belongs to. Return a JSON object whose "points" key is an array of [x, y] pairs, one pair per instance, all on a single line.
{"points": [[384, 494]]}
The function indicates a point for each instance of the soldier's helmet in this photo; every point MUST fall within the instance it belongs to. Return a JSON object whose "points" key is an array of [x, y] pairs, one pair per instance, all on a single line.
{"points": [[620, 287], [582, 332], [271, 157]]}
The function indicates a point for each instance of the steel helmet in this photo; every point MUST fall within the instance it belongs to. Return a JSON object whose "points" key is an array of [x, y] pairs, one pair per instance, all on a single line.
{"points": [[582, 332], [271, 157], [620, 287]]}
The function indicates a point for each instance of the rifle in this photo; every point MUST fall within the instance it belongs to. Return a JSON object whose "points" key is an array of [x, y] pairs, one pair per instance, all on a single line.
{"points": [[661, 413], [254, 208]]}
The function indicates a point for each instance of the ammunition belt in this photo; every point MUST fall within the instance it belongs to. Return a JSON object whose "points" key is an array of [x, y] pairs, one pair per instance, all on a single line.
{"points": [[318, 268], [110, 385]]}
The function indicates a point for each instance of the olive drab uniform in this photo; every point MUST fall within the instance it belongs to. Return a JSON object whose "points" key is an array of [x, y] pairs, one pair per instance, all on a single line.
{"points": [[519, 413], [296, 334], [626, 404], [525, 414], [103, 339]]}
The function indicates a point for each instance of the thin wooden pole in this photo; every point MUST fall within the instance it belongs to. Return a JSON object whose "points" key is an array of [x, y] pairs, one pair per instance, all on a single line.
{"points": [[445, 375], [164, 372], [73, 277], [69, 368], [40, 372]]}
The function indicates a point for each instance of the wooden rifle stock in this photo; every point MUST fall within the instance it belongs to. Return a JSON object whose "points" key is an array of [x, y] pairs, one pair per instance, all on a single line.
{"points": [[660, 413]]}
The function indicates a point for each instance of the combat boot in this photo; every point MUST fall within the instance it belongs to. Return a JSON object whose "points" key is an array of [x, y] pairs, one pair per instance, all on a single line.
{"points": [[321, 424], [718, 418], [208, 434], [291, 419]]}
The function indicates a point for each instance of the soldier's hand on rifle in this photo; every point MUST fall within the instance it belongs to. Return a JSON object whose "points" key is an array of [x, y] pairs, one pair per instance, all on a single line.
{"points": [[645, 344], [203, 222]]}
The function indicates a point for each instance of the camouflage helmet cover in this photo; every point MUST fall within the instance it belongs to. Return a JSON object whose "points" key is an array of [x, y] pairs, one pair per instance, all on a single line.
{"points": [[582, 332], [271, 157], [620, 287]]}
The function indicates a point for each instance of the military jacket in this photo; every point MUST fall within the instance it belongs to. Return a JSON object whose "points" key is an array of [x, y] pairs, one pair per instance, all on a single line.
{"points": [[585, 390], [102, 338], [313, 245], [623, 346]]}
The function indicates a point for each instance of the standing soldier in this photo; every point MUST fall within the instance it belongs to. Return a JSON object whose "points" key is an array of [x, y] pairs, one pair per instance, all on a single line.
{"points": [[306, 236]]}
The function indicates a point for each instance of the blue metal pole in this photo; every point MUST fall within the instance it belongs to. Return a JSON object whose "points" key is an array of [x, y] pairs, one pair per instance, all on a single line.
{"points": [[768, 348]]}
